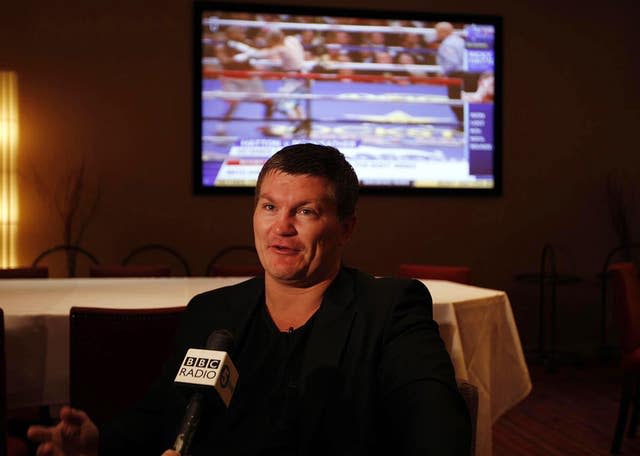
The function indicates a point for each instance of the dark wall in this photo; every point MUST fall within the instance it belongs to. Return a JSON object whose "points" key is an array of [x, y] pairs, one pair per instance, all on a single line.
{"points": [[111, 82]]}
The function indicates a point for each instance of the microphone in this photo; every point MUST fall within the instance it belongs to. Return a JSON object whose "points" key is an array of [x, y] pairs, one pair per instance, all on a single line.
{"points": [[204, 370]]}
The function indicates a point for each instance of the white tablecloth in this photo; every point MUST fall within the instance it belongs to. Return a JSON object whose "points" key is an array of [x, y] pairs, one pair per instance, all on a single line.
{"points": [[476, 324], [479, 331]]}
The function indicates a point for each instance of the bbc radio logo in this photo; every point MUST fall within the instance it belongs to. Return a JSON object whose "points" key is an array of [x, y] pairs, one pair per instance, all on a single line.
{"points": [[201, 363], [197, 367], [211, 368]]}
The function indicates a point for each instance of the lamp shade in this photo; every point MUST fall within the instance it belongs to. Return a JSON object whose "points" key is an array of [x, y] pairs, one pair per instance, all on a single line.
{"points": [[8, 164]]}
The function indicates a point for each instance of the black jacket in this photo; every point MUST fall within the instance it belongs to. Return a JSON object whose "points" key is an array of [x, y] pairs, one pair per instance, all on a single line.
{"points": [[375, 376]]}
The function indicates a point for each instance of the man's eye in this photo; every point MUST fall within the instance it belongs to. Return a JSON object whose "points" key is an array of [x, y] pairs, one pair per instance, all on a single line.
{"points": [[268, 207], [305, 211]]}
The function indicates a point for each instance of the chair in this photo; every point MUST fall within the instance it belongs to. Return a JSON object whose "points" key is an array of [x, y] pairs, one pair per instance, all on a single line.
{"points": [[38, 272], [130, 270], [548, 279], [624, 253], [166, 250], [71, 251], [626, 284], [469, 393], [9, 445], [115, 354], [460, 274], [250, 265]]}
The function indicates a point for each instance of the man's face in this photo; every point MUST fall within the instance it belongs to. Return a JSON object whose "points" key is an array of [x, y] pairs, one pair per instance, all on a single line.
{"points": [[298, 235]]}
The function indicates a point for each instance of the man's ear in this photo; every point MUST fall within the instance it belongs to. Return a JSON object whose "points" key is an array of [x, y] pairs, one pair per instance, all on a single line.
{"points": [[347, 225]]}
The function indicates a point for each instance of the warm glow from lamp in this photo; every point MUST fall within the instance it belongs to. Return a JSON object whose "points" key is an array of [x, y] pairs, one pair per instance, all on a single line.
{"points": [[8, 168]]}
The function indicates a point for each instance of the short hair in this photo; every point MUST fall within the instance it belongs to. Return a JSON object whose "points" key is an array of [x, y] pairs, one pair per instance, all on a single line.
{"points": [[444, 28], [274, 36], [320, 161]]}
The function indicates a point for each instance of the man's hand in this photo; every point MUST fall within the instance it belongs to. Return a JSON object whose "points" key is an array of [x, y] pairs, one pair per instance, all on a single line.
{"points": [[74, 435], [171, 453]]}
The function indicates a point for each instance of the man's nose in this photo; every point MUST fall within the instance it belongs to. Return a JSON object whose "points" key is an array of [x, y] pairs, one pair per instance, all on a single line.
{"points": [[284, 225]]}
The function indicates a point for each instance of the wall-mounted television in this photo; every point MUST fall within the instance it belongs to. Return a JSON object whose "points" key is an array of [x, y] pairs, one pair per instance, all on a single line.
{"points": [[413, 99]]}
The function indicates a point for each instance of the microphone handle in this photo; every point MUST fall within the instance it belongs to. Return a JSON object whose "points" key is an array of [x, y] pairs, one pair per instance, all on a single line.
{"points": [[189, 424]]}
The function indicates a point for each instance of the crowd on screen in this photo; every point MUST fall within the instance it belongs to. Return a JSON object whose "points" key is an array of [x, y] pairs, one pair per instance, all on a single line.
{"points": [[376, 46]]}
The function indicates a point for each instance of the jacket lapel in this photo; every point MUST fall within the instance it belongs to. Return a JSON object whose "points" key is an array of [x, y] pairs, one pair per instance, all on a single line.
{"points": [[243, 310], [323, 352]]}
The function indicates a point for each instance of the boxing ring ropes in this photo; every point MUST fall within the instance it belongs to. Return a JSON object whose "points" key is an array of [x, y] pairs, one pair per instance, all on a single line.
{"points": [[306, 74], [310, 78], [214, 21]]}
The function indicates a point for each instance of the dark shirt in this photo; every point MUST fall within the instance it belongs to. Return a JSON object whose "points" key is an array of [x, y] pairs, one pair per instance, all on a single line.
{"points": [[263, 414]]}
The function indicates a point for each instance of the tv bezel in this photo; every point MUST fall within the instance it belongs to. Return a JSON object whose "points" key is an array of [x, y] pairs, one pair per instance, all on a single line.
{"points": [[197, 82]]}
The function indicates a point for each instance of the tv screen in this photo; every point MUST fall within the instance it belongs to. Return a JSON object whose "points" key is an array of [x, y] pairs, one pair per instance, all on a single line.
{"points": [[412, 99]]}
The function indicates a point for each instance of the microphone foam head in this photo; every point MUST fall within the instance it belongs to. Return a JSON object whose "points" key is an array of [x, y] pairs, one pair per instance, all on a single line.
{"points": [[220, 340]]}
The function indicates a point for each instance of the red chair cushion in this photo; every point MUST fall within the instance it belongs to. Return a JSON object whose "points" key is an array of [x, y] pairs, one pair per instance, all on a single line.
{"points": [[460, 274]]}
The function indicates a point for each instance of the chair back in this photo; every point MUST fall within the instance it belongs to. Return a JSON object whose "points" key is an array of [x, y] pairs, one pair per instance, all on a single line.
{"points": [[9, 445], [248, 266], [158, 249], [72, 252], [27, 272], [130, 270], [460, 274], [104, 344], [624, 253], [626, 285], [469, 393]]}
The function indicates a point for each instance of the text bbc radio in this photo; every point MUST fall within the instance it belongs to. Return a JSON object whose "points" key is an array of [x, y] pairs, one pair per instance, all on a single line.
{"points": [[199, 367]]}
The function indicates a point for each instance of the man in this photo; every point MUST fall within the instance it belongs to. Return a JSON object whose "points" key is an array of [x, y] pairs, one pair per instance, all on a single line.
{"points": [[450, 57], [332, 361], [451, 50], [285, 53], [231, 57]]}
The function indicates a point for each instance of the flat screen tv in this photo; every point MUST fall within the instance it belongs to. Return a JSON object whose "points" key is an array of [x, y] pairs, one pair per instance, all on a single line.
{"points": [[413, 99]]}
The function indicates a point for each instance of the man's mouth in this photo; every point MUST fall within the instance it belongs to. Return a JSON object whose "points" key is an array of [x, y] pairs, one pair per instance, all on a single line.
{"points": [[284, 249]]}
